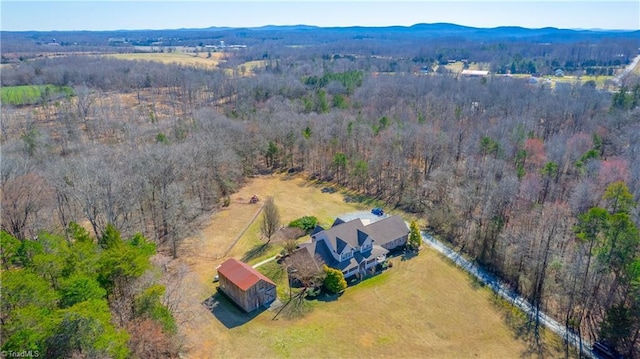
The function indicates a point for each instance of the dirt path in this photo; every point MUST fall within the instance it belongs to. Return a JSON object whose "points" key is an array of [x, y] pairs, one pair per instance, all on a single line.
{"points": [[235, 241], [203, 251]]}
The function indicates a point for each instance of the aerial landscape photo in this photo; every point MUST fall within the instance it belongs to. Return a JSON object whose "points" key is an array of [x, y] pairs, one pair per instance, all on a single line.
{"points": [[320, 179]]}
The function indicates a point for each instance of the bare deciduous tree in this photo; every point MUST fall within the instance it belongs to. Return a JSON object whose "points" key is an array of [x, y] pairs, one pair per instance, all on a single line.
{"points": [[306, 269], [23, 196], [270, 219]]}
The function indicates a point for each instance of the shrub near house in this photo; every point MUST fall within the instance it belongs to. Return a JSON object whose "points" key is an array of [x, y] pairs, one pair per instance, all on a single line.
{"points": [[334, 280], [306, 223]]}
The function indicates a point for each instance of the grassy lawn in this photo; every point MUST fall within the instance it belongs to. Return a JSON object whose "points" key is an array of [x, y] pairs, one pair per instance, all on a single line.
{"points": [[458, 66], [599, 80], [31, 94], [423, 307], [294, 198]]}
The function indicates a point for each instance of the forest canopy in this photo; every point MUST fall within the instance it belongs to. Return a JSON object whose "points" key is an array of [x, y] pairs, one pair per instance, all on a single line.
{"points": [[63, 297]]}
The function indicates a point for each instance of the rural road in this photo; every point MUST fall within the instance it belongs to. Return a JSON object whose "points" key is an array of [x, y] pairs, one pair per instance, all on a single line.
{"points": [[627, 70], [501, 289]]}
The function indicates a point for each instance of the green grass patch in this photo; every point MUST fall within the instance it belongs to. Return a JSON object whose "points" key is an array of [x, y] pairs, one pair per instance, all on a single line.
{"points": [[278, 275], [273, 271], [370, 282], [598, 80], [32, 94], [458, 66]]}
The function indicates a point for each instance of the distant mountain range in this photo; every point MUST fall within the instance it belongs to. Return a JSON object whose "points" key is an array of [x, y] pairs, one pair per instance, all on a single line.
{"points": [[306, 34], [441, 26], [447, 29]]}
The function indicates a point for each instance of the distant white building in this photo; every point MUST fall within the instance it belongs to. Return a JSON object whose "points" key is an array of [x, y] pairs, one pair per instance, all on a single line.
{"points": [[474, 73]]}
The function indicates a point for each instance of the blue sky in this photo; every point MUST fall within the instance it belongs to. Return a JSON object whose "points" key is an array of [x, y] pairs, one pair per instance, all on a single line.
{"points": [[146, 14]]}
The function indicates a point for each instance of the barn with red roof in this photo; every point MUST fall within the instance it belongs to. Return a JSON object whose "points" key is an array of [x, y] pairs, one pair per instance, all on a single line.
{"points": [[244, 285]]}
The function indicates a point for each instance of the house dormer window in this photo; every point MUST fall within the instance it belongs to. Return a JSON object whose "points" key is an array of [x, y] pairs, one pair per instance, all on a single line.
{"points": [[346, 255]]}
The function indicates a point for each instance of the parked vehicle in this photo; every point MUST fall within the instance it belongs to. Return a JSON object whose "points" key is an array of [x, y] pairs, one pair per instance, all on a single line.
{"points": [[378, 211]]}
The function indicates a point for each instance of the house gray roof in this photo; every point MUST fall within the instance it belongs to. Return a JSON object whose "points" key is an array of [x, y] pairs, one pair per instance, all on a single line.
{"points": [[343, 234], [374, 252], [387, 230], [346, 236], [317, 229], [361, 237], [344, 265], [316, 249], [337, 222], [340, 245]]}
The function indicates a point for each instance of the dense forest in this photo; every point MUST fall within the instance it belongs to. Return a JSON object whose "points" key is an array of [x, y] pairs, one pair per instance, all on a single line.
{"points": [[537, 183]]}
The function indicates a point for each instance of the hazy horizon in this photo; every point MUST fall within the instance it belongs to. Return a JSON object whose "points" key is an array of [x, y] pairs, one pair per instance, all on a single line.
{"points": [[166, 15]]}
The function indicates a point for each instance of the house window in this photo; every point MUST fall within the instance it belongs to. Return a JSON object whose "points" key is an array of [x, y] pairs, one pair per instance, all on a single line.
{"points": [[346, 256]]}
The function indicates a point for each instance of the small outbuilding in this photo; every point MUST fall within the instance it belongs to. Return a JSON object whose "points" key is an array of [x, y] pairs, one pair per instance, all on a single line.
{"points": [[245, 286]]}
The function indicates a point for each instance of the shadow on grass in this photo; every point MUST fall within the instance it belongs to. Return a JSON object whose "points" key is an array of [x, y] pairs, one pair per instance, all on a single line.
{"points": [[326, 297], [296, 308], [408, 254], [351, 197], [256, 252], [523, 327], [475, 283], [227, 312]]}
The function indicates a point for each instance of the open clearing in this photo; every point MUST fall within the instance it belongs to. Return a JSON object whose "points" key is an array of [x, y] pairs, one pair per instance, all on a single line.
{"points": [[200, 60], [599, 80], [458, 66], [179, 58], [31, 94], [423, 307]]}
